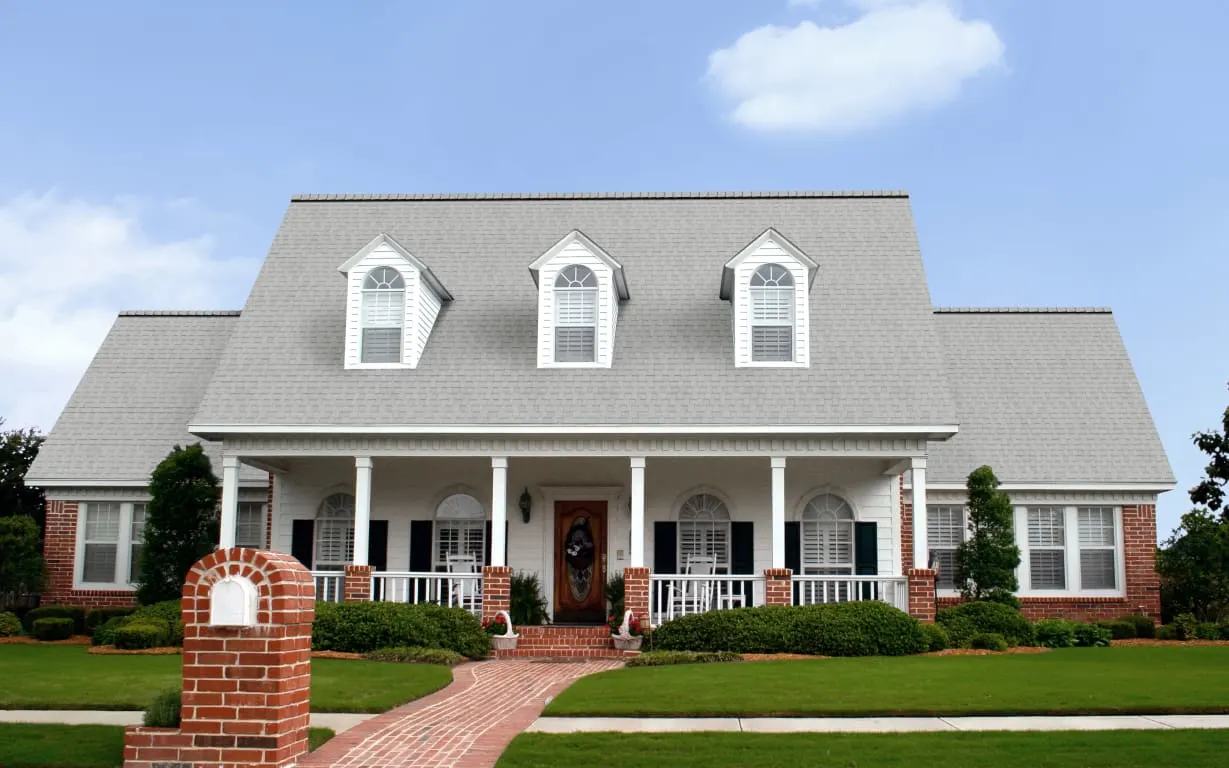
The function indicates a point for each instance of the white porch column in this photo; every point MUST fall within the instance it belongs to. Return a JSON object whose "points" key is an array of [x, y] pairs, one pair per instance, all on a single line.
{"points": [[921, 548], [362, 508], [637, 463], [230, 501], [499, 511], [778, 511]]}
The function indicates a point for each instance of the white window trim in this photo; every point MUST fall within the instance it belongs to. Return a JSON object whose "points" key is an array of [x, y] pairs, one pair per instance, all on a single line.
{"points": [[576, 248], [264, 515], [1071, 535], [123, 552], [964, 536], [769, 248]]}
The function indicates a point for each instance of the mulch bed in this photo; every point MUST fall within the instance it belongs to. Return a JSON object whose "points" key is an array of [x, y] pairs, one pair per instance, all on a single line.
{"points": [[335, 655], [1151, 641], [27, 640], [111, 650], [779, 657], [984, 652]]}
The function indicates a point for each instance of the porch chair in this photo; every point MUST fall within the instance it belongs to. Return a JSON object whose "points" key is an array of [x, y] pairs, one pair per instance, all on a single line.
{"points": [[692, 596], [466, 593]]}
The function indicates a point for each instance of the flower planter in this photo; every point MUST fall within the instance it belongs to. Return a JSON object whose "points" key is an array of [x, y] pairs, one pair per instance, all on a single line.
{"points": [[627, 643], [503, 643]]}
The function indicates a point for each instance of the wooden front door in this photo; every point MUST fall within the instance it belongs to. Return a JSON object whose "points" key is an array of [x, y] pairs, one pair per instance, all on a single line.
{"points": [[580, 562]]}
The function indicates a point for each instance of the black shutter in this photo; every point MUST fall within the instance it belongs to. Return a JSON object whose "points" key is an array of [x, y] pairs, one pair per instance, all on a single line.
{"points": [[302, 541], [420, 545], [742, 547], [793, 547], [665, 547], [866, 555], [377, 544], [486, 547]]}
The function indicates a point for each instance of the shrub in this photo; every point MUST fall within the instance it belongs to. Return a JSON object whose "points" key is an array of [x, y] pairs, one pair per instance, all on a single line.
{"points": [[665, 658], [417, 655], [139, 635], [1207, 631], [986, 560], [1054, 633], [53, 628], [1224, 630], [1185, 624], [527, 606], [104, 634], [181, 522], [163, 711], [1091, 635], [365, 627], [936, 637], [838, 629], [1144, 626], [990, 641], [615, 589], [1167, 632], [99, 616], [169, 611], [22, 569], [1119, 630], [74, 612], [966, 620], [10, 625]]}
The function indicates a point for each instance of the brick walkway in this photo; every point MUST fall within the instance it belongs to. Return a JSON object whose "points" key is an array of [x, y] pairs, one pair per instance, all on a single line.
{"points": [[468, 724]]}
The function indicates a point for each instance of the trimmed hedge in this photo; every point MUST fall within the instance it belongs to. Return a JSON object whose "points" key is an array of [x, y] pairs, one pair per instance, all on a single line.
{"points": [[965, 621], [1062, 633], [936, 637], [667, 658], [10, 625], [366, 627], [1208, 630], [1167, 632], [989, 641], [838, 629], [1119, 630], [417, 655], [138, 635], [74, 612], [1144, 626], [99, 616], [163, 711], [53, 628], [104, 634]]}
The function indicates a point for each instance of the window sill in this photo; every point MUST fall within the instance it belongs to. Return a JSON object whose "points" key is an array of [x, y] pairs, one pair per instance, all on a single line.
{"points": [[1069, 594], [96, 587]]}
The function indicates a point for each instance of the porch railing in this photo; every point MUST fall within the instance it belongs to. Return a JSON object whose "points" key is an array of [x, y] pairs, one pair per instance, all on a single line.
{"points": [[675, 595], [330, 586], [816, 590], [457, 590]]}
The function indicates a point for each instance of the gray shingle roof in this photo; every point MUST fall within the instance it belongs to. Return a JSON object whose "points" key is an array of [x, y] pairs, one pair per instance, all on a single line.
{"points": [[875, 356], [1045, 396], [133, 403]]}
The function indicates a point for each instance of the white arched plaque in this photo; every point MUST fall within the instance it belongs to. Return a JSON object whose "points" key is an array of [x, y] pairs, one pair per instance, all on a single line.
{"points": [[232, 603]]}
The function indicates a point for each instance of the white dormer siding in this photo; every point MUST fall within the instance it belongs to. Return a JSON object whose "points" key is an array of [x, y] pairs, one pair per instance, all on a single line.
{"points": [[769, 248], [422, 301], [576, 249]]}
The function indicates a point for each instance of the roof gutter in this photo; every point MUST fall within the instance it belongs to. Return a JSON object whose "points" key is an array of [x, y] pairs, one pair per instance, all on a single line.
{"points": [[938, 432]]}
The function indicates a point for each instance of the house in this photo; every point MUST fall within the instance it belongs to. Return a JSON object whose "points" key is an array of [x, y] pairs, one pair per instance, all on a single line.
{"points": [[732, 399]]}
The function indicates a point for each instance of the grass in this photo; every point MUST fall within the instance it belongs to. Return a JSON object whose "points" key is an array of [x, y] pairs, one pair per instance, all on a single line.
{"points": [[66, 677], [1139, 679], [1063, 749], [23, 745]]}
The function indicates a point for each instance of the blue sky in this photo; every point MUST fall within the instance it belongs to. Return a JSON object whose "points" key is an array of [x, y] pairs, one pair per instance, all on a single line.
{"points": [[1057, 153]]}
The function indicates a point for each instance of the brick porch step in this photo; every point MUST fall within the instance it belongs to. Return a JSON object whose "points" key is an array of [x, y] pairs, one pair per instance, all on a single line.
{"points": [[571, 642]]}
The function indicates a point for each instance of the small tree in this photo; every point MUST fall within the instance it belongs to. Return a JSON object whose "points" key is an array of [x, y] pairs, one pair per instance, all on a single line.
{"points": [[181, 523], [21, 559], [18, 447], [1194, 567], [987, 560], [1211, 490]]}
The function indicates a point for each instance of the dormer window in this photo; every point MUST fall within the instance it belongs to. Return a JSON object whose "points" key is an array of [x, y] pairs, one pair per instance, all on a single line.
{"points": [[575, 315], [768, 286], [383, 315], [772, 315]]}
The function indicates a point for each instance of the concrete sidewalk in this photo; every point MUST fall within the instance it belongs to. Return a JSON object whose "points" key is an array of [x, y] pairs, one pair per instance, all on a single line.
{"points": [[873, 724], [339, 722]]}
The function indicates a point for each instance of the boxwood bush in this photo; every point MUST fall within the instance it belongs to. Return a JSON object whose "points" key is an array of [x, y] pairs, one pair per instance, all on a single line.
{"points": [[366, 627], [141, 634], [10, 625], [666, 658], [417, 655], [1062, 633], [1143, 625], [1208, 630], [104, 634], [99, 616], [936, 637], [990, 641], [840, 629], [1119, 630], [53, 628], [967, 620], [74, 612]]}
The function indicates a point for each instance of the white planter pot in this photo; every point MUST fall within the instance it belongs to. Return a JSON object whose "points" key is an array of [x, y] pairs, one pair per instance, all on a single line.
{"points": [[627, 643], [502, 643]]}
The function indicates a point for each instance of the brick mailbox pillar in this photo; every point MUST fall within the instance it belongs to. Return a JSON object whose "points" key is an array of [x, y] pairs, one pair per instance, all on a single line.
{"points": [[356, 587], [778, 586], [636, 593], [922, 594], [246, 667], [496, 590]]}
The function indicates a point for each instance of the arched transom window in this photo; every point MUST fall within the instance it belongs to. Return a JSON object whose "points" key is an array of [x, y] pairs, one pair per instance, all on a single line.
{"points": [[335, 532], [827, 535], [460, 529], [772, 314], [576, 315], [383, 315], [704, 531]]}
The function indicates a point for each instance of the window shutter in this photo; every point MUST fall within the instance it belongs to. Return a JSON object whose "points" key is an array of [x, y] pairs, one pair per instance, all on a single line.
{"points": [[866, 555], [742, 547], [793, 546], [420, 546], [302, 541], [377, 544], [486, 546], [665, 547]]}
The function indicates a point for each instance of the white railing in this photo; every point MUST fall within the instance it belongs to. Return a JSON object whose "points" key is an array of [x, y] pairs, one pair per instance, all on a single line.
{"points": [[457, 590], [674, 595], [330, 586], [817, 590]]}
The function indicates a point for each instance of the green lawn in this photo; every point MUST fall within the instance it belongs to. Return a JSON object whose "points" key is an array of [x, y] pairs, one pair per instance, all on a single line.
{"points": [[66, 677], [1066, 749], [1149, 679], [78, 746]]}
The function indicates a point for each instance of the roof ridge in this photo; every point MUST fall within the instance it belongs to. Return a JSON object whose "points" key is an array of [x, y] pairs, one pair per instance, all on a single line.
{"points": [[397, 196], [179, 313], [1022, 310]]}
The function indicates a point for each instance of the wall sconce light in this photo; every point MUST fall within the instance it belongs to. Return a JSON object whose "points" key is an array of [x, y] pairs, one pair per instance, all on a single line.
{"points": [[525, 503]]}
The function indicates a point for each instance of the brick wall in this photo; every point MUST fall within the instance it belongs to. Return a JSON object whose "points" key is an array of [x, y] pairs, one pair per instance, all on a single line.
{"points": [[922, 603], [496, 590], [778, 586], [356, 583], [636, 593], [60, 554]]}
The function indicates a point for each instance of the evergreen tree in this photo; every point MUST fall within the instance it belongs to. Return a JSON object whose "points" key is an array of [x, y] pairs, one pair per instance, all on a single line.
{"points": [[986, 561], [21, 559], [181, 523], [1211, 490], [18, 447]]}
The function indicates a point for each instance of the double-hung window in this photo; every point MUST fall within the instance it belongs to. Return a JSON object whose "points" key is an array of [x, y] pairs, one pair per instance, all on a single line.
{"points": [[1069, 549], [250, 525], [944, 533], [335, 533], [383, 316], [704, 531], [827, 536], [112, 535], [772, 315], [1098, 548], [576, 315], [460, 530], [1047, 548]]}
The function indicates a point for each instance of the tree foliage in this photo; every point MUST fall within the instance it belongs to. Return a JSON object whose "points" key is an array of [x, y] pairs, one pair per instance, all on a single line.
{"points": [[1211, 490], [181, 524], [986, 561], [21, 558], [18, 447], [1194, 567]]}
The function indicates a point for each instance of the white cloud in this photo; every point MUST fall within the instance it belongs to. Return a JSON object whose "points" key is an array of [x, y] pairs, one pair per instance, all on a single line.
{"points": [[897, 56], [66, 268]]}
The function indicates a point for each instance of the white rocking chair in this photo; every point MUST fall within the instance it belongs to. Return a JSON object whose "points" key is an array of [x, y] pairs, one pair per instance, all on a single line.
{"points": [[465, 593], [692, 596]]}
